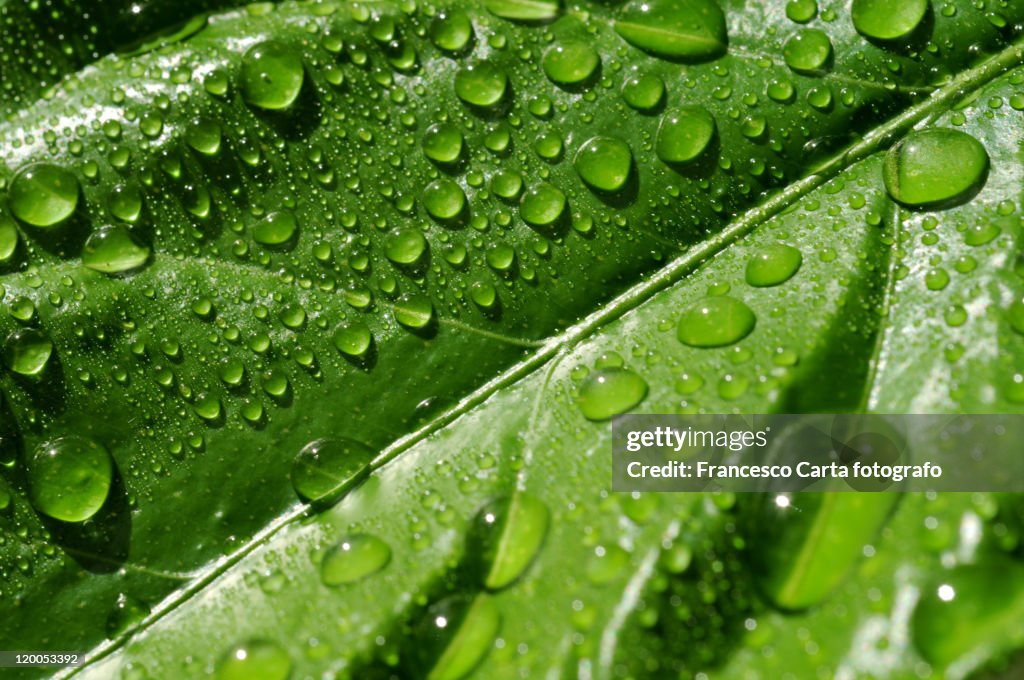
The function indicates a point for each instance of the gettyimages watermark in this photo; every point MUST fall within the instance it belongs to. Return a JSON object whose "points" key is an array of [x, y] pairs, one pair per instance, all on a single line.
{"points": [[819, 452]]}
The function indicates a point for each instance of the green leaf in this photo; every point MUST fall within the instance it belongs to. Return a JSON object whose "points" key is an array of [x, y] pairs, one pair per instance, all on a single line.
{"points": [[407, 258]]}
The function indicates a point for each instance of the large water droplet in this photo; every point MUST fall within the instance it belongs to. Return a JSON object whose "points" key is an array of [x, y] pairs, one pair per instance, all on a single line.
{"points": [[542, 205], [604, 163], [451, 31], [482, 84], [887, 19], [125, 203], [571, 63], [69, 478], [272, 76], [353, 338], [43, 195], [684, 134], [524, 10], [607, 392], [644, 92], [506, 536], [675, 29], [444, 199], [773, 265], [27, 351], [715, 322], [203, 135], [456, 634], [934, 168], [967, 611], [329, 468], [255, 660], [353, 559], [405, 246], [414, 310], [112, 250], [808, 52], [276, 228], [442, 143]]}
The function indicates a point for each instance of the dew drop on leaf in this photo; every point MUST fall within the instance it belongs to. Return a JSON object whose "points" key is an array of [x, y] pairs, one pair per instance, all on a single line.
{"points": [[604, 163], [255, 660], [684, 134], [113, 250], [483, 294], [481, 84], [43, 195], [542, 205], [353, 559], [444, 199], [8, 238], [524, 10], [571, 63], [405, 246], [125, 202], [456, 634], [272, 76], [937, 167], [329, 467], [204, 135], [644, 92], [451, 31], [442, 143], [801, 11], [715, 322], [69, 478], [353, 338], [773, 265], [506, 536], [675, 29], [607, 392], [414, 310], [887, 19], [27, 351], [808, 52], [275, 228]]}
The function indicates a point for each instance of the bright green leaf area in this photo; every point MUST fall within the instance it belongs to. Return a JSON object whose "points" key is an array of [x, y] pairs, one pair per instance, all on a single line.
{"points": [[315, 314]]}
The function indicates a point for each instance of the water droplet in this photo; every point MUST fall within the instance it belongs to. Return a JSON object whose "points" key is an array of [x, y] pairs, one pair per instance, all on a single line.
{"points": [[275, 229], [272, 76], [456, 634], [967, 612], [808, 52], [604, 163], [715, 322], [506, 184], [675, 29], [773, 265], [43, 195], [483, 294], [444, 199], [442, 143], [524, 10], [937, 167], [610, 391], [644, 92], [353, 338], [112, 250], [8, 238], [27, 351], [887, 19], [451, 31], [506, 537], [128, 613], [69, 478], [203, 135], [353, 559], [571, 63], [482, 84], [125, 203], [542, 205], [255, 660], [801, 11], [414, 310], [684, 134], [329, 468], [405, 246]]}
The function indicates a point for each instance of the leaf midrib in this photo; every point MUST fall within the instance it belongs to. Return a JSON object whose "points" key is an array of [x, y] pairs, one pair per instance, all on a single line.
{"points": [[876, 139]]}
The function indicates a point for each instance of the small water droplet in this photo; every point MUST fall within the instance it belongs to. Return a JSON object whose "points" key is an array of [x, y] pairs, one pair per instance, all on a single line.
{"points": [[808, 52], [482, 84], [28, 351], [604, 163], [607, 392], [456, 634], [43, 195], [414, 310], [684, 134], [451, 31], [113, 250], [353, 338], [353, 559], [443, 143], [276, 228], [542, 205], [571, 63], [506, 536], [444, 199], [255, 660], [773, 265], [405, 246], [936, 167], [887, 19], [272, 76]]}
